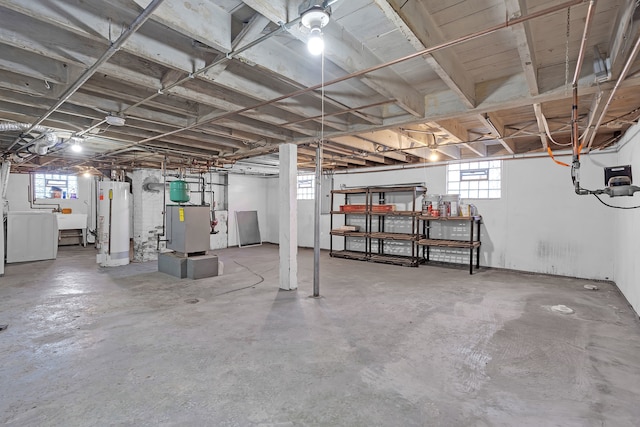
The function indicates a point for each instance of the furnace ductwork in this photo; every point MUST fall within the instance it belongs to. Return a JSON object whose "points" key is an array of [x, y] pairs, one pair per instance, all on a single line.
{"points": [[45, 141], [42, 143], [14, 126]]}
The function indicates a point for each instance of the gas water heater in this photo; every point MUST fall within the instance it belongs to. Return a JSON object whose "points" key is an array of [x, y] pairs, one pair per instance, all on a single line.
{"points": [[113, 223]]}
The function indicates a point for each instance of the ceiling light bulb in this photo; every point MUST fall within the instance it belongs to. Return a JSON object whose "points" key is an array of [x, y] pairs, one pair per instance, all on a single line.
{"points": [[315, 43], [433, 156], [76, 148], [86, 175]]}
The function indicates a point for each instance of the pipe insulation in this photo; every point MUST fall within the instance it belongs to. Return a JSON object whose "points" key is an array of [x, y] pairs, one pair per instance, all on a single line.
{"points": [[15, 126], [42, 143], [4, 180], [45, 141]]}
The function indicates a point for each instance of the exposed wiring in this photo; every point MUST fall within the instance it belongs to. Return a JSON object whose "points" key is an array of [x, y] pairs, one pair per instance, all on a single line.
{"points": [[615, 207], [615, 119], [245, 287], [591, 114], [548, 131], [553, 158]]}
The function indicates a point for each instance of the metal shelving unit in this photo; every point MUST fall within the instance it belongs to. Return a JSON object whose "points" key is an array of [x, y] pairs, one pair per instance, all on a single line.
{"points": [[473, 243], [349, 196], [377, 237]]}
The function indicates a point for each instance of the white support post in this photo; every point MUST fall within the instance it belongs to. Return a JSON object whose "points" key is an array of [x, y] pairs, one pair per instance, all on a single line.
{"points": [[4, 176], [288, 234]]}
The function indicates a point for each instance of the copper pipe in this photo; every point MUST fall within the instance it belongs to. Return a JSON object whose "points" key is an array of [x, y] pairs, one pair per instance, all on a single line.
{"points": [[574, 108], [583, 43]]}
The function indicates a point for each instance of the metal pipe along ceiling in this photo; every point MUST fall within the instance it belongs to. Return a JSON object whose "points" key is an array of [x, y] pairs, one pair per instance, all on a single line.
{"points": [[623, 75], [574, 108], [190, 76], [423, 52], [113, 48]]}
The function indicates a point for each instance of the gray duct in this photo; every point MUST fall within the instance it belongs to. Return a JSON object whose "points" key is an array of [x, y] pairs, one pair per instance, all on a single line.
{"points": [[42, 143], [14, 126], [4, 181], [45, 141]]}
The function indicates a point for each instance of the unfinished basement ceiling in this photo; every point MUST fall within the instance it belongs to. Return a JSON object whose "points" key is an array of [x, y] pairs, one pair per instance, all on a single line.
{"points": [[189, 92]]}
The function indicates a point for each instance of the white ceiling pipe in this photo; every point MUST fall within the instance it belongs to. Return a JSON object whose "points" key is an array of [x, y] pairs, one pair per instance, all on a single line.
{"points": [[113, 48], [623, 75]]}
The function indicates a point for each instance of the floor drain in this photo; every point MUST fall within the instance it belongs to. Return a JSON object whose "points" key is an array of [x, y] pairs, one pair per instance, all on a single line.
{"points": [[562, 309], [192, 300], [591, 287]]}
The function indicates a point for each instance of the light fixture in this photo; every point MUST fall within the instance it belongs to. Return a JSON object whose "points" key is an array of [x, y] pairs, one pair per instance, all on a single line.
{"points": [[314, 15], [315, 43], [76, 147], [114, 120], [433, 156], [87, 174]]}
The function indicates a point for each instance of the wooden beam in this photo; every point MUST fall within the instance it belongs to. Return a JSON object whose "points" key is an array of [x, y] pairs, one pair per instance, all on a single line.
{"points": [[87, 41], [396, 141], [452, 152], [366, 155], [348, 158], [369, 146], [194, 19], [29, 85], [458, 134], [275, 10], [537, 108], [33, 65], [496, 128], [522, 33], [420, 28], [626, 29], [343, 49]]}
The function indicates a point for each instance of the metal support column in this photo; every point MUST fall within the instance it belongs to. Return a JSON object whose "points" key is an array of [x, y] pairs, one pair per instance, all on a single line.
{"points": [[316, 223]]}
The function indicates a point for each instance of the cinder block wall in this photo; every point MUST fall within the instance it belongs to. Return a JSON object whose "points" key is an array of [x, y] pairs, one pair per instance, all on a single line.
{"points": [[147, 216]]}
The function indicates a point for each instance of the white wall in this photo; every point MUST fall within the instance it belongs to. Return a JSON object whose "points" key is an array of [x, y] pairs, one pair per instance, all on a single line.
{"points": [[271, 231], [627, 224], [18, 198], [248, 193], [147, 215], [149, 205], [2, 213], [539, 225]]}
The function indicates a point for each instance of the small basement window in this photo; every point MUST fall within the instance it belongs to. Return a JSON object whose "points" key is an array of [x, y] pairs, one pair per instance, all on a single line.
{"points": [[475, 180], [54, 186], [306, 187]]}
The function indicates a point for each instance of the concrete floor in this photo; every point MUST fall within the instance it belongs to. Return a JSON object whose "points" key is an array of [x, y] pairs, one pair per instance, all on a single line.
{"points": [[386, 345]]}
